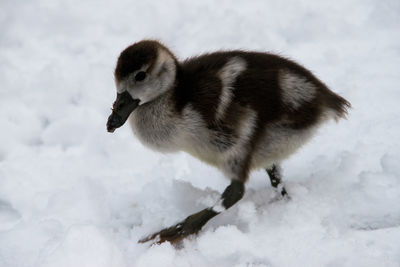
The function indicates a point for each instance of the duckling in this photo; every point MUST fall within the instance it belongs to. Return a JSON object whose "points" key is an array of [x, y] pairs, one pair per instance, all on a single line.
{"points": [[235, 110]]}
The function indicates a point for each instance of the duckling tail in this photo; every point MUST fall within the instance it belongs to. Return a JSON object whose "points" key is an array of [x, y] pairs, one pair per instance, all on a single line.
{"points": [[337, 104]]}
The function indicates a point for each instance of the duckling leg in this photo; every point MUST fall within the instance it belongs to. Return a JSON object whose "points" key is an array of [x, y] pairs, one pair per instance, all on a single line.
{"points": [[193, 223], [275, 176]]}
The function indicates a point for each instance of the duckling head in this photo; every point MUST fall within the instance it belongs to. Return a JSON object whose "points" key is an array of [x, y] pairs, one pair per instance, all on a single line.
{"points": [[144, 71]]}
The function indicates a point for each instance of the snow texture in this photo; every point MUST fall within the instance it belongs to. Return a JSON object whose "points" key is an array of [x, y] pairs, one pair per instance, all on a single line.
{"points": [[72, 194]]}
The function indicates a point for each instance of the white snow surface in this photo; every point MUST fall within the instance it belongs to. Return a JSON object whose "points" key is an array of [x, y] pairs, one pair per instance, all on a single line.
{"points": [[72, 194]]}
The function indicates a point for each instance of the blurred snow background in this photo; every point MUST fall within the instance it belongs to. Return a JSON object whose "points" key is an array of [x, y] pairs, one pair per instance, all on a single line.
{"points": [[73, 195]]}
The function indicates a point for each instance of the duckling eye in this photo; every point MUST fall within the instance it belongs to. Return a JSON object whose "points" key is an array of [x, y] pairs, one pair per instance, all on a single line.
{"points": [[140, 76]]}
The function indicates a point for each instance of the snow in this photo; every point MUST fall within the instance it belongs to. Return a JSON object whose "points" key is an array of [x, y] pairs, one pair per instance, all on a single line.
{"points": [[72, 194]]}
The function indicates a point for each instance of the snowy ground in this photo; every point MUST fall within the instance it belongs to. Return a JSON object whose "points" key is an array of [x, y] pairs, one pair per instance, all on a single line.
{"points": [[73, 195]]}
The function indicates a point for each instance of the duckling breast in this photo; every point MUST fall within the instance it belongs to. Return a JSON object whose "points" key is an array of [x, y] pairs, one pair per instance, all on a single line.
{"points": [[156, 125]]}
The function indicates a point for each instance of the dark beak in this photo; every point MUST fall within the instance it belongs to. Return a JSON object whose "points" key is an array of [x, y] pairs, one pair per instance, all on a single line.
{"points": [[122, 108]]}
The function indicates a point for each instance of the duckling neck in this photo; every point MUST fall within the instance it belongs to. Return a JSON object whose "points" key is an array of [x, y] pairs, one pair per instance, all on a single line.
{"points": [[155, 124]]}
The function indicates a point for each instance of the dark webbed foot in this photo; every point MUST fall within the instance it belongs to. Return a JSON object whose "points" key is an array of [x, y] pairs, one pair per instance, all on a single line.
{"points": [[283, 192], [191, 225], [172, 234]]}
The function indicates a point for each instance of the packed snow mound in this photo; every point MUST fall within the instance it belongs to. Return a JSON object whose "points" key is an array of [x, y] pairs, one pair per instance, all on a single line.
{"points": [[72, 194]]}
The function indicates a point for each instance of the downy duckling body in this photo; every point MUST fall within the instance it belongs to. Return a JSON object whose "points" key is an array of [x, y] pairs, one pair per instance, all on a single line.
{"points": [[235, 110]]}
